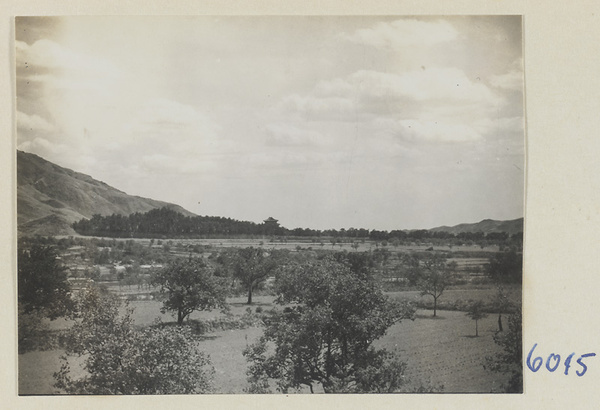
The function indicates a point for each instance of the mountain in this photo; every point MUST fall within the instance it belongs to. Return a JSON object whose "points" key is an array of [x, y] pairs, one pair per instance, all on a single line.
{"points": [[486, 226], [50, 198]]}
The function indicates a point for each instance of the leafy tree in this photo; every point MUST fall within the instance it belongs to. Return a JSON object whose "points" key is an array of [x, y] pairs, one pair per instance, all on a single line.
{"points": [[121, 360], [42, 282], [506, 267], [431, 274], [33, 332], [476, 313], [510, 359], [190, 285], [252, 266], [324, 334]]}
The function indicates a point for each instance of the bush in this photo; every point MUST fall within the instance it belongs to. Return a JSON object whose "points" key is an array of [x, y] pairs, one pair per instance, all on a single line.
{"points": [[121, 360]]}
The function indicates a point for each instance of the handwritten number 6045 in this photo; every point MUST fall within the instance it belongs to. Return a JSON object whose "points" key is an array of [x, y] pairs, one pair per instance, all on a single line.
{"points": [[553, 362]]}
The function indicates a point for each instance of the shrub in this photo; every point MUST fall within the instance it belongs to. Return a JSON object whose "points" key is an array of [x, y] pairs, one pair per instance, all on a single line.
{"points": [[121, 360]]}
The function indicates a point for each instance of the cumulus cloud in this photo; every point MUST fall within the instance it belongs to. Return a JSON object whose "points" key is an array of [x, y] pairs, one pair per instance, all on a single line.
{"points": [[404, 33]]}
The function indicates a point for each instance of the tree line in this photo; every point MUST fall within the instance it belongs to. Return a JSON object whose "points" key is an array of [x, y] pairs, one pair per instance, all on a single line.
{"points": [[165, 222]]}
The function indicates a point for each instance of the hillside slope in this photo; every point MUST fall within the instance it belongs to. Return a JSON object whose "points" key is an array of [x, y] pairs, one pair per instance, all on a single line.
{"points": [[486, 226], [50, 198]]}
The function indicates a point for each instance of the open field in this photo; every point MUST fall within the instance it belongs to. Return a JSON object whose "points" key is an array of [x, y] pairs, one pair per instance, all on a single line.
{"points": [[292, 243], [438, 351], [443, 351]]}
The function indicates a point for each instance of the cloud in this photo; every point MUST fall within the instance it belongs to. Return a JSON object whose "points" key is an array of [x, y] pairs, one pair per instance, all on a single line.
{"points": [[180, 125], [430, 85], [33, 123], [404, 33], [512, 80], [426, 130], [288, 135], [436, 104]]}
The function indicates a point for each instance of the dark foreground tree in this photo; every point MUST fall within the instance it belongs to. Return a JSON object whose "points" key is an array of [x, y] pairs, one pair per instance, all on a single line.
{"points": [[121, 360], [510, 359], [42, 282], [43, 292], [252, 266], [431, 274], [189, 285], [324, 334], [476, 313], [506, 267]]}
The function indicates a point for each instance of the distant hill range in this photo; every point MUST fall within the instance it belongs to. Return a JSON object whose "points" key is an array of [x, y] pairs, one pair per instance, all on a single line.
{"points": [[50, 198], [486, 226]]}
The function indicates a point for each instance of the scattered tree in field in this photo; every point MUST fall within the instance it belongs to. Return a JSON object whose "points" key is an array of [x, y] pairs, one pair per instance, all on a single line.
{"points": [[510, 359], [42, 283], [324, 334], [121, 360], [502, 304], [190, 285], [476, 312], [252, 267], [506, 267], [431, 274]]}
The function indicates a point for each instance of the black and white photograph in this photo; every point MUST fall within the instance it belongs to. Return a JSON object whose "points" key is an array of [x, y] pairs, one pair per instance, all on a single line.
{"points": [[269, 204]]}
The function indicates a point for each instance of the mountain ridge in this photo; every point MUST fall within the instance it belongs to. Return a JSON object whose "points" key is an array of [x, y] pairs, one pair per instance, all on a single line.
{"points": [[50, 198]]}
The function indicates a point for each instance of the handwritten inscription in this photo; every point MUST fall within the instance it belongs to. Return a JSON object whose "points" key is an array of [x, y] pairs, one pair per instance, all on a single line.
{"points": [[553, 362]]}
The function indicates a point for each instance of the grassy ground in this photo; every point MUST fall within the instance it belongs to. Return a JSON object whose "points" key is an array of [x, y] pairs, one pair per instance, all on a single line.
{"points": [[444, 351], [459, 297], [438, 351]]}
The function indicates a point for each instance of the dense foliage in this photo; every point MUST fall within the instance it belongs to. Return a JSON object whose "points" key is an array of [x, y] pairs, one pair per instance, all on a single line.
{"points": [[324, 334], [163, 222], [121, 360], [189, 285], [510, 359], [506, 267], [42, 282]]}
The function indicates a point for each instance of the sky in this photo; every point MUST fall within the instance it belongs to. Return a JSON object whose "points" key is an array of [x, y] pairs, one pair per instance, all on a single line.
{"points": [[376, 122]]}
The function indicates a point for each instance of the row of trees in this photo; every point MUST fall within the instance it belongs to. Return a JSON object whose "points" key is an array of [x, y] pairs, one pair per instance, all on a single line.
{"points": [[165, 222]]}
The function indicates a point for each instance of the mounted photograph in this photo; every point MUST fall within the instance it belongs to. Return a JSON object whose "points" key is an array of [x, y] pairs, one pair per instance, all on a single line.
{"points": [[269, 204]]}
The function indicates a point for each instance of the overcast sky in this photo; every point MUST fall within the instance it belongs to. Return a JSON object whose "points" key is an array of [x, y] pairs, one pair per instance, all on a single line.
{"points": [[321, 122]]}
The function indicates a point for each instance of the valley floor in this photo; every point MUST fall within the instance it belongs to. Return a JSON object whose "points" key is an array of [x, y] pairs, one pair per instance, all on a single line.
{"points": [[440, 351]]}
